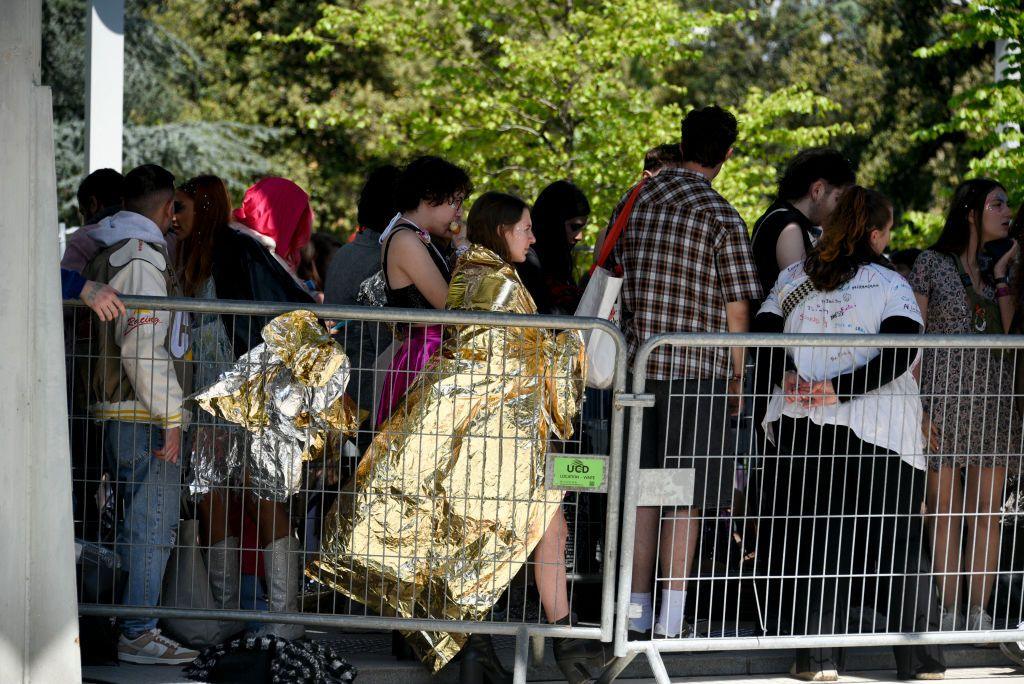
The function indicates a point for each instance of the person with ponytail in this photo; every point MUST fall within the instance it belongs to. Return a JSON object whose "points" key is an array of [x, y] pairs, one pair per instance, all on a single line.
{"points": [[962, 284], [846, 486]]}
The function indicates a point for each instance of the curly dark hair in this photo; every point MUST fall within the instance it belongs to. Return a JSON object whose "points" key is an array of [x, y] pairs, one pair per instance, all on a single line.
{"points": [[430, 179], [845, 243], [810, 165]]}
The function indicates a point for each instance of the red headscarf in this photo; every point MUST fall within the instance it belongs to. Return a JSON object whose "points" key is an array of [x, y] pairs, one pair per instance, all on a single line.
{"points": [[279, 209]]}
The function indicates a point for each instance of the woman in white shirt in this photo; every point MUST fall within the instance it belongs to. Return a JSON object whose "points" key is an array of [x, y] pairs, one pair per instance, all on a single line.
{"points": [[845, 422]]}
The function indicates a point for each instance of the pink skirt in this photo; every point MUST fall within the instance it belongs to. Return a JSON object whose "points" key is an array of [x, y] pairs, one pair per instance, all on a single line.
{"points": [[408, 361]]}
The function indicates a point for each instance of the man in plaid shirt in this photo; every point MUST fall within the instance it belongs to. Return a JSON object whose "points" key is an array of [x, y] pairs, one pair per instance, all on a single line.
{"points": [[688, 267]]}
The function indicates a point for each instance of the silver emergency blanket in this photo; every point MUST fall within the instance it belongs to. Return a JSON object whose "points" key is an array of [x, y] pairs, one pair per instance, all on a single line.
{"points": [[289, 395]]}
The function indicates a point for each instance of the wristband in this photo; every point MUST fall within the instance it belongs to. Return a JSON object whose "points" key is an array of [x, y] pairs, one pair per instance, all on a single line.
{"points": [[1002, 291], [1002, 280]]}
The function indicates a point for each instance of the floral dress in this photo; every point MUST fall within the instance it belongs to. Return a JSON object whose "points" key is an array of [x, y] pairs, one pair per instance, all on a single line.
{"points": [[968, 393]]}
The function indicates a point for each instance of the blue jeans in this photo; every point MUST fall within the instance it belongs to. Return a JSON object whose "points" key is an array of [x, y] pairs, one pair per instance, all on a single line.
{"points": [[152, 499]]}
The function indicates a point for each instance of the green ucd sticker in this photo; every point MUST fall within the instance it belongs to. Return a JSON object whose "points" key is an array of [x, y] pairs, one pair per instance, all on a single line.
{"points": [[578, 472]]}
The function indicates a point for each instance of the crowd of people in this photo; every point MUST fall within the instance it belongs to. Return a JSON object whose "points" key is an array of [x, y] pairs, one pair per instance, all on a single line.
{"points": [[904, 457]]}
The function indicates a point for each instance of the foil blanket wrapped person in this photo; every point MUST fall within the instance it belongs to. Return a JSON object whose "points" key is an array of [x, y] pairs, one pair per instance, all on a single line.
{"points": [[289, 395], [449, 500]]}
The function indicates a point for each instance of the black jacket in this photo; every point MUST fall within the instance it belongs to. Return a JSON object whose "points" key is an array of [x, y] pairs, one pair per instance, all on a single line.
{"points": [[244, 269]]}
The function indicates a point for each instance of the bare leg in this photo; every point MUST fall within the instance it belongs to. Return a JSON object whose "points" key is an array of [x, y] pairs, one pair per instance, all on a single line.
{"points": [[214, 524], [645, 549], [271, 518], [945, 502], [549, 568], [984, 496], [680, 531]]}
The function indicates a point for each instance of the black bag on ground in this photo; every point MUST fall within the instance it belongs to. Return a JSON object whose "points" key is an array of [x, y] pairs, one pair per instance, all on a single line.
{"points": [[262, 660]]}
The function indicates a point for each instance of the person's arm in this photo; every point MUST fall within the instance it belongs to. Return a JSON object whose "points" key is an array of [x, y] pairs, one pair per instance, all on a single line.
{"points": [[737, 320], [102, 299], [789, 248], [884, 368], [146, 362], [410, 263], [770, 363], [71, 283], [1007, 302]]}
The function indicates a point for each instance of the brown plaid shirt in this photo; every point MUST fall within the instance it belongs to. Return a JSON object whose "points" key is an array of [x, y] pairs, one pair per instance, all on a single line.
{"points": [[685, 253]]}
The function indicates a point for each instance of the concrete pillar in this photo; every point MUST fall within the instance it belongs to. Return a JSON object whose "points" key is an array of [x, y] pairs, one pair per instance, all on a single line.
{"points": [[38, 622], [104, 85]]}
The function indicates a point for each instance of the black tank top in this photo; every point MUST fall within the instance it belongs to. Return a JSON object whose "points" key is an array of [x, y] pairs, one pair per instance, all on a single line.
{"points": [[409, 297], [766, 236]]}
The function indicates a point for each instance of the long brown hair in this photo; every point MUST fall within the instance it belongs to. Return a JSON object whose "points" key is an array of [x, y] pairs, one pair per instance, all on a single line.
{"points": [[845, 244], [211, 213], [492, 215], [968, 202]]}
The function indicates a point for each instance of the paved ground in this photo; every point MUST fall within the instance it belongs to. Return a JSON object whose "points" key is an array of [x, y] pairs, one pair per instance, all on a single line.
{"points": [[370, 652]]}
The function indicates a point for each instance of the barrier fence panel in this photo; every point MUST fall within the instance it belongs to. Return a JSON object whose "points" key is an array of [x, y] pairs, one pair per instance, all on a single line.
{"points": [[872, 498], [374, 494]]}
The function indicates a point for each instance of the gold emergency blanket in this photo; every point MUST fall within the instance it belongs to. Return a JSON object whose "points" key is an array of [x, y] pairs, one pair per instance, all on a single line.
{"points": [[289, 395], [449, 500]]}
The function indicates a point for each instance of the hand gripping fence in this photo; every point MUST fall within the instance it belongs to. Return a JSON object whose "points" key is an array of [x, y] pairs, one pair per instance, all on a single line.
{"points": [[222, 537], [889, 513]]}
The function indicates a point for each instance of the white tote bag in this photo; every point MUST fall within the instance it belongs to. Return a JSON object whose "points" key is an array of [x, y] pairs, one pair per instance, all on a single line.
{"points": [[601, 300]]}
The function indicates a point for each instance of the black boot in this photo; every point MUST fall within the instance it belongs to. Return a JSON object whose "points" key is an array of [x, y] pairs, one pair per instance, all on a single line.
{"points": [[480, 663], [576, 657]]}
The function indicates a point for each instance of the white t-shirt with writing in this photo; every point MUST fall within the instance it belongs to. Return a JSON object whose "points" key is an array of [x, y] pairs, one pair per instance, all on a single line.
{"points": [[889, 416]]}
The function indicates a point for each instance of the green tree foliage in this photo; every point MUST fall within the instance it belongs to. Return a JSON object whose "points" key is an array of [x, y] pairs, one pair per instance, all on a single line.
{"points": [[162, 74], [250, 77], [860, 55], [988, 114], [526, 92]]}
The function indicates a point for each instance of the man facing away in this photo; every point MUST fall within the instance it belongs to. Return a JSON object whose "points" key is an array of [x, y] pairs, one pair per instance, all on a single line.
{"points": [[687, 268], [136, 392]]}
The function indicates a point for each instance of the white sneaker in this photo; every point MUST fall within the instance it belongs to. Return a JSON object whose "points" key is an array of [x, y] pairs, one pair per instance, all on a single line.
{"points": [[980, 621], [1014, 650], [951, 621], [152, 648]]}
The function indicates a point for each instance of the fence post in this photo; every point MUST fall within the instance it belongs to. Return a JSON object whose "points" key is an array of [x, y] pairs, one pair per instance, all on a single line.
{"points": [[39, 630]]}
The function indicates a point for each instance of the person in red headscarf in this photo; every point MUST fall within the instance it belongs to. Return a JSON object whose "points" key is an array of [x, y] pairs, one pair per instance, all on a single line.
{"points": [[278, 211], [256, 260]]}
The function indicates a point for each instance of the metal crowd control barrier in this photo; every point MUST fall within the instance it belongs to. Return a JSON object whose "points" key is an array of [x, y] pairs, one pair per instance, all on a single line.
{"points": [[819, 538], [228, 517]]}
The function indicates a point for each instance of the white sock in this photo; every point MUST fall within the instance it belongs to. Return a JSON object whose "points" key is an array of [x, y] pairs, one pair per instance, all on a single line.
{"points": [[641, 612], [670, 613]]}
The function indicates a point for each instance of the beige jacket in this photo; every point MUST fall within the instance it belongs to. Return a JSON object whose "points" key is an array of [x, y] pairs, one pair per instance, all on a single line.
{"points": [[139, 360]]}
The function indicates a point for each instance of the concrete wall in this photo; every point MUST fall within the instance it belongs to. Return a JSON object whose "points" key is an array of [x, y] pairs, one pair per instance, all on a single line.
{"points": [[38, 625]]}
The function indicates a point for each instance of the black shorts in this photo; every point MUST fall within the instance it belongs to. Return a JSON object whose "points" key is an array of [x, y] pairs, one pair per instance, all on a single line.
{"points": [[690, 427]]}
